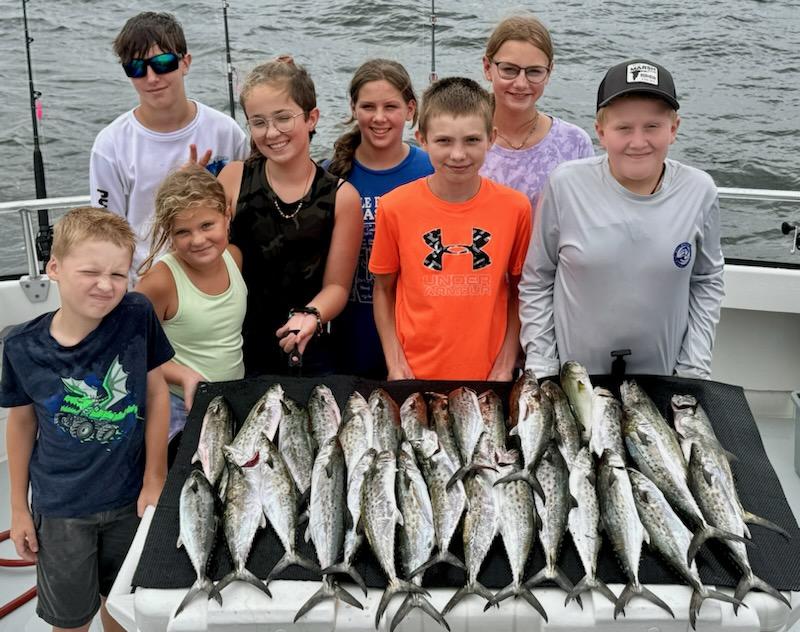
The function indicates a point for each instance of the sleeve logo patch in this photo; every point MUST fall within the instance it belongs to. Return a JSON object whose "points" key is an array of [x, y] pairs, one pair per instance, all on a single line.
{"points": [[682, 255]]}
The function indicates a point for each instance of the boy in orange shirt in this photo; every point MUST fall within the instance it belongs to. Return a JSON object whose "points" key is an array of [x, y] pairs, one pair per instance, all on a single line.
{"points": [[449, 250]]}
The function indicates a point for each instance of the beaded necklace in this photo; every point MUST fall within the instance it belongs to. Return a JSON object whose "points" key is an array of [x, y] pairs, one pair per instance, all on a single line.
{"points": [[283, 214]]}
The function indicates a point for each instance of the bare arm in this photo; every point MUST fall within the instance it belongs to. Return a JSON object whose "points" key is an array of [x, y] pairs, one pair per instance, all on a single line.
{"points": [[155, 439], [348, 232], [20, 437], [384, 296], [231, 180], [503, 368]]}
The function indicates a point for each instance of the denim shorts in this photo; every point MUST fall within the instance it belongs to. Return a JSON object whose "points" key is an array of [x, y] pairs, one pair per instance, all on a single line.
{"points": [[78, 561]]}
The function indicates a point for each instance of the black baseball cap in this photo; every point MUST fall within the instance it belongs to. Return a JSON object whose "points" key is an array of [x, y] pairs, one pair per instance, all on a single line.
{"points": [[637, 75]]}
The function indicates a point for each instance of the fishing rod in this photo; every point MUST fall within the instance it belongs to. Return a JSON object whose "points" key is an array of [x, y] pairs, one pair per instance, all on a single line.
{"points": [[433, 76], [228, 58], [44, 238]]}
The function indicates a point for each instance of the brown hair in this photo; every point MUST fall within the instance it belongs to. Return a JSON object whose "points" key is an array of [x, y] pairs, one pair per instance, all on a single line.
{"points": [[148, 29], [90, 223], [344, 149], [521, 28], [600, 117], [284, 72], [456, 96], [190, 187]]}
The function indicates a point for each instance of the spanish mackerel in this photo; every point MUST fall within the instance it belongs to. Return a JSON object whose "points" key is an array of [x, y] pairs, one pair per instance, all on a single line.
{"points": [[217, 431], [468, 426], [578, 387], [324, 414], [567, 431], [296, 444], [265, 416], [440, 417], [416, 425], [386, 415], [606, 423]]}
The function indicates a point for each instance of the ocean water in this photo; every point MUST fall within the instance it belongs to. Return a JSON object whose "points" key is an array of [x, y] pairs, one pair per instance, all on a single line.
{"points": [[736, 65]]}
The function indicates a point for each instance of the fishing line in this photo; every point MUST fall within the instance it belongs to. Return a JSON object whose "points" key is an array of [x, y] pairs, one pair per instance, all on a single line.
{"points": [[433, 76], [228, 66]]}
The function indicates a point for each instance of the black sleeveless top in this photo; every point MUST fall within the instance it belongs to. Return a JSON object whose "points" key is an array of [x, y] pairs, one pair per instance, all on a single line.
{"points": [[283, 264]]}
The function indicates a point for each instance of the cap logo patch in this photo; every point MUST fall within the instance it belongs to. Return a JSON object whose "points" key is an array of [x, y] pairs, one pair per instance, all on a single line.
{"points": [[642, 73]]}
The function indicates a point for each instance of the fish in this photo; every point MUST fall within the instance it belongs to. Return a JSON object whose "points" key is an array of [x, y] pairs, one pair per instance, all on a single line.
{"points": [[606, 423], [296, 444], [416, 425], [357, 429], [468, 426], [326, 521], [265, 416], [243, 514], [379, 517], [387, 420], [518, 522], [279, 500], [623, 527], [324, 414], [526, 381], [553, 511], [655, 449], [670, 537], [217, 431], [439, 407], [198, 527], [492, 442], [417, 534], [690, 419], [709, 484], [578, 387], [481, 526], [584, 525], [567, 432], [448, 505]]}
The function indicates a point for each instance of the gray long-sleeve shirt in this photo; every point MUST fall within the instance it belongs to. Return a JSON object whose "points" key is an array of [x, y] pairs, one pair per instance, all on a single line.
{"points": [[609, 269]]}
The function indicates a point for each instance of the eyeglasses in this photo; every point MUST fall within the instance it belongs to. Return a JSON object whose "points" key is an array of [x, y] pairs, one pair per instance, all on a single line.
{"points": [[534, 74], [284, 123], [161, 65]]}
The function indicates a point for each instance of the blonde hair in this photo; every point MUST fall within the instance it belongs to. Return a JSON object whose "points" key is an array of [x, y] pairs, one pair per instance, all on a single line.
{"points": [[281, 71], [600, 117], [87, 223], [521, 28], [190, 187], [395, 74], [455, 96]]}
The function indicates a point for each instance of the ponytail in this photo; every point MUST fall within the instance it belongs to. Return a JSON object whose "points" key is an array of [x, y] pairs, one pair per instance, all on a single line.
{"points": [[344, 152]]}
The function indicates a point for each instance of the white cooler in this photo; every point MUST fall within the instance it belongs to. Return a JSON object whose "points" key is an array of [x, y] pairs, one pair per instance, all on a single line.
{"points": [[246, 609]]}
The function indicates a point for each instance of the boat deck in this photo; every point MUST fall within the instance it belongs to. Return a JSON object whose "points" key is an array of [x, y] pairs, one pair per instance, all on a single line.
{"points": [[777, 434]]}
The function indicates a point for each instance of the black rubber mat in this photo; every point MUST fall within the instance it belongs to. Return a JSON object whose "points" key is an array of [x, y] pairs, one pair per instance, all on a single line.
{"points": [[773, 558]]}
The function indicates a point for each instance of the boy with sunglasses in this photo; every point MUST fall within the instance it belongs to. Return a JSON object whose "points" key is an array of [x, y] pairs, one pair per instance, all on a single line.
{"points": [[132, 155]]}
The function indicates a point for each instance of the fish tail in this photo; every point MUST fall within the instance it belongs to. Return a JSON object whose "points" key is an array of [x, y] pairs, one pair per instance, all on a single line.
{"points": [[325, 592], [556, 575], [291, 558], [412, 601], [750, 582], [630, 591], [347, 569], [395, 586], [705, 533], [243, 575], [751, 518], [472, 588], [345, 596], [459, 474], [528, 596], [443, 556], [203, 585], [698, 596], [517, 590]]}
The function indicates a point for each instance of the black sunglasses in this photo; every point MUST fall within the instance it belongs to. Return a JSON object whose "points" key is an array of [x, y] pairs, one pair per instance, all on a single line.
{"points": [[161, 64]]}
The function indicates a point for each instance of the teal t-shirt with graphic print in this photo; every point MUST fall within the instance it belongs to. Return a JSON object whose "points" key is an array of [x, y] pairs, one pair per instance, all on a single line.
{"points": [[90, 404]]}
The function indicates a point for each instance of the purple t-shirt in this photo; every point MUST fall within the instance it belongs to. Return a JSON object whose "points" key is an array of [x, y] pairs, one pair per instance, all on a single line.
{"points": [[526, 170]]}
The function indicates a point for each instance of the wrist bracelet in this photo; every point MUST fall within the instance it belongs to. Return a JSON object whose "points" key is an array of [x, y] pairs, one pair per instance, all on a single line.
{"points": [[313, 311]]}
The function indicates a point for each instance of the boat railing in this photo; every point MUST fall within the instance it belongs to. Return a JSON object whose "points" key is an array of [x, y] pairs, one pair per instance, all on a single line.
{"points": [[26, 208]]}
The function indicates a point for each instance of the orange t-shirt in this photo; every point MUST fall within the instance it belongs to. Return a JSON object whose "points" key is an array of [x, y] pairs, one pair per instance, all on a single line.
{"points": [[452, 262]]}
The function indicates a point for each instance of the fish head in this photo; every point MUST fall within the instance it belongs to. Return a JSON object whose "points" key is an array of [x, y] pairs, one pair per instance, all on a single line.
{"points": [[238, 458], [611, 459]]}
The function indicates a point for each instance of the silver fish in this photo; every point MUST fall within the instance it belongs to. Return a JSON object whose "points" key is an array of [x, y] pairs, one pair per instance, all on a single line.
{"points": [[264, 416], [567, 432], [198, 527], [606, 423], [279, 500], [324, 414], [492, 443], [380, 515], [357, 429], [417, 534], [623, 527], [525, 382], [217, 431], [584, 524], [442, 423], [578, 387], [518, 520], [387, 420], [670, 537], [296, 444], [326, 521], [709, 484], [243, 515], [468, 426], [415, 424]]}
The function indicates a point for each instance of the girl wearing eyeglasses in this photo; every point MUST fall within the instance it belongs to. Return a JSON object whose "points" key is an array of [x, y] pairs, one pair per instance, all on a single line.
{"points": [[529, 143], [298, 227]]}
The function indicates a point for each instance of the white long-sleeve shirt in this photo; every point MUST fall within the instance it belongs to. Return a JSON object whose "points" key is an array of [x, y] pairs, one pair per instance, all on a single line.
{"points": [[610, 269]]}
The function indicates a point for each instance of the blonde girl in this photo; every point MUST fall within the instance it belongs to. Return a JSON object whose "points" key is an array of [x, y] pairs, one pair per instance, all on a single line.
{"points": [[529, 144], [196, 288], [298, 227], [373, 157]]}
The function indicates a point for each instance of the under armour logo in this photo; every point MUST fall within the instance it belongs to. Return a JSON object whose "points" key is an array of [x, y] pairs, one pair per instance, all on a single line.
{"points": [[433, 239]]}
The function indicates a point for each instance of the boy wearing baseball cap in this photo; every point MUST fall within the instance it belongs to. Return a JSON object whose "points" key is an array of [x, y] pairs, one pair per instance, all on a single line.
{"points": [[625, 252]]}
